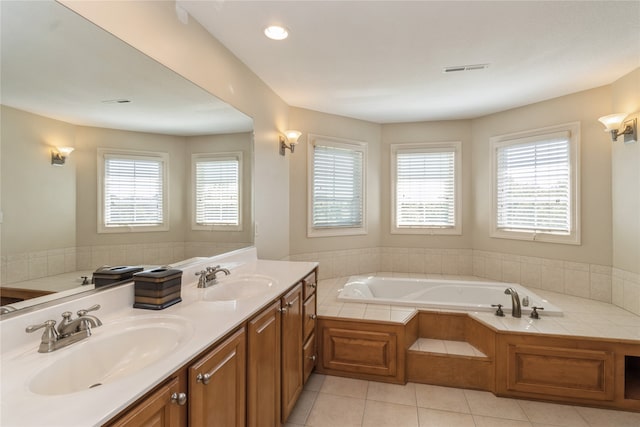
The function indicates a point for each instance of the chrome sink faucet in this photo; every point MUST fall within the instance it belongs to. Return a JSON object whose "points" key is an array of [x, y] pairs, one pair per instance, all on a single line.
{"points": [[516, 310], [68, 332], [207, 277]]}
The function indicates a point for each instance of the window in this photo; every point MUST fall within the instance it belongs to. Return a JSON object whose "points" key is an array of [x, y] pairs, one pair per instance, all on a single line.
{"points": [[536, 185], [217, 191], [425, 188], [336, 187], [132, 191]]}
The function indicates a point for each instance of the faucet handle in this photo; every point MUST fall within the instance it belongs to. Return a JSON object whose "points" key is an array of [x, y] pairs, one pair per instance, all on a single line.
{"points": [[499, 311], [47, 324], [49, 336], [534, 312], [84, 312]]}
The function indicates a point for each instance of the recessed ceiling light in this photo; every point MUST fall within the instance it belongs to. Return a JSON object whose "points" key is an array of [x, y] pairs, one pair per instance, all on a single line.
{"points": [[276, 32]]}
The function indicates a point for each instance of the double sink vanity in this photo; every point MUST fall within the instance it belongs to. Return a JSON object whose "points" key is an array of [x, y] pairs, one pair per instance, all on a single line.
{"points": [[228, 354]]}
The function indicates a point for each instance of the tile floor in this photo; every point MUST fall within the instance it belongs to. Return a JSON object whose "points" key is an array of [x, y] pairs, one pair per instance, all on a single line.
{"points": [[343, 402]]}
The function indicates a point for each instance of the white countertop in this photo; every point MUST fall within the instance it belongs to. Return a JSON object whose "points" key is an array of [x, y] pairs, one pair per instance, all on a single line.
{"points": [[209, 322], [582, 317]]}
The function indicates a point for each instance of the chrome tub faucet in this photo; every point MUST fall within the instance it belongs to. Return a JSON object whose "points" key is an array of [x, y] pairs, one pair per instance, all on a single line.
{"points": [[516, 309]]}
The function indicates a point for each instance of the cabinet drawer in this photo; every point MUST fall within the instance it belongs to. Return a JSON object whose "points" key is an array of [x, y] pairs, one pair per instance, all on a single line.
{"points": [[310, 356], [309, 316], [309, 285]]}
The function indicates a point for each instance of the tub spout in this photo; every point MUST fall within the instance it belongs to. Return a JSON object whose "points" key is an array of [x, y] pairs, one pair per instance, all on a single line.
{"points": [[516, 310]]}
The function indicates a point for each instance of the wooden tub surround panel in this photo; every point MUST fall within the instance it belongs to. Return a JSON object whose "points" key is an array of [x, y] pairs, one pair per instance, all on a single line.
{"points": [[453, 370], [364, 349], [585, 371]]}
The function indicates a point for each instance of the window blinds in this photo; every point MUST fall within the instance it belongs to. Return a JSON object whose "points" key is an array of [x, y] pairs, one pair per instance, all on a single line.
{"points": [[425, 189], [217, 192], [534, 185], [133, 193], [338, 177]]}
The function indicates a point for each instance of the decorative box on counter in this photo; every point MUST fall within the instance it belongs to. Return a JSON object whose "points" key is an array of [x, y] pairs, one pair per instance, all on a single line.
{"points": [[157, 289], [108, 275]]}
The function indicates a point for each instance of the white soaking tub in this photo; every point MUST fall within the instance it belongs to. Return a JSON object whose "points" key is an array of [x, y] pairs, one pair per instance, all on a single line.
{"points": [[441, 294]]}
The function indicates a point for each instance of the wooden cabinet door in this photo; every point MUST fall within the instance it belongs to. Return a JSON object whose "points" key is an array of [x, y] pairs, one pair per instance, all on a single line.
{"points": [[291, 350], [163, 408], [263, 368], [217, 385]]}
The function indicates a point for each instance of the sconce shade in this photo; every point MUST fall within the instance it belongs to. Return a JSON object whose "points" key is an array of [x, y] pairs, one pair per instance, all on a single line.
{"points": [[60, 154], [612, 121], [292, 136], [65, 151]]}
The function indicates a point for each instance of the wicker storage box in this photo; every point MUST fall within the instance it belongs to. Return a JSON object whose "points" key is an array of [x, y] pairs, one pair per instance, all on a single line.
{"points": [[157, 289]]}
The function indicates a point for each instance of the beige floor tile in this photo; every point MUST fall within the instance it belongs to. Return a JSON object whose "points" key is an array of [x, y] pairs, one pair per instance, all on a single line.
{"points": [[549, 413], [435, 418], [498, 422], [303, 407], [608, 418], [315, 382], [345, 387], [392, 393], [444, 398], [379, 414], [486, 404], [331, 411]]}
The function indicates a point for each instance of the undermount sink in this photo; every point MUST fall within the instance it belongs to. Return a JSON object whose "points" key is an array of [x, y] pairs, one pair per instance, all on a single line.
{"points": [[236, 288], [122, 348]]}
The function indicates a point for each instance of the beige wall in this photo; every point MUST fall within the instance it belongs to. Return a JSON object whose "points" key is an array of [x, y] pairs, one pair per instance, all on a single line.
{"points": [[625, 174], [38, 198], [444, 131], [595, 165], [189, 50], [312, 122]]}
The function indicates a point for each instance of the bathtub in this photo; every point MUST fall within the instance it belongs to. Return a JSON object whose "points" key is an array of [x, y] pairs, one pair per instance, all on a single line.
{"points": [[440, 294]]}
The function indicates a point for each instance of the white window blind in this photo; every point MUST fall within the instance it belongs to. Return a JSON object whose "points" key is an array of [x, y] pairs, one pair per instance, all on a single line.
{"points": [[217, 191], [133, 191], [533, 185], [338, 186], [425, 189]]}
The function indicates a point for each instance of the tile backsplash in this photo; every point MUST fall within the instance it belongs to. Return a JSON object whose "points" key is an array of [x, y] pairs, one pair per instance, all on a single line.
{"points": [[35, 265]]}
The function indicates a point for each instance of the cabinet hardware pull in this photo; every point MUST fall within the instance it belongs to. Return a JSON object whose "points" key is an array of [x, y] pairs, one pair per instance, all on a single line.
{"points": [[312, 285], [282, 310], [313, 316], [290, 303], [203, 378], [312, 357], [179, 398]]}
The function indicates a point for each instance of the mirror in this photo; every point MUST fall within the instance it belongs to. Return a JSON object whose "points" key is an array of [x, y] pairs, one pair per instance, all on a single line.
{"points": [[66, 82]]}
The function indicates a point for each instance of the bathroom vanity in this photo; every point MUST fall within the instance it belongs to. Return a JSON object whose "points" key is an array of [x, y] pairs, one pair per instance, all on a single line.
{"points": [[231, 354]]}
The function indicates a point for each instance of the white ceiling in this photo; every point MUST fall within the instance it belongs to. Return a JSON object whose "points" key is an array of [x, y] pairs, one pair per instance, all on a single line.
{"points": [[382, 61], [56, 64]]}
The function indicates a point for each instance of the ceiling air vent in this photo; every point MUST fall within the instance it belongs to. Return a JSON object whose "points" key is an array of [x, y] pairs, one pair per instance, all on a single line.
{"points": [[457, 68]]}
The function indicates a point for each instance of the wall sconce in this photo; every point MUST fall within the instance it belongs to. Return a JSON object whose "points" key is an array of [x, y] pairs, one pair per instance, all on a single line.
{"points": [[60, 154], [292, 138], [614, 122]]}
